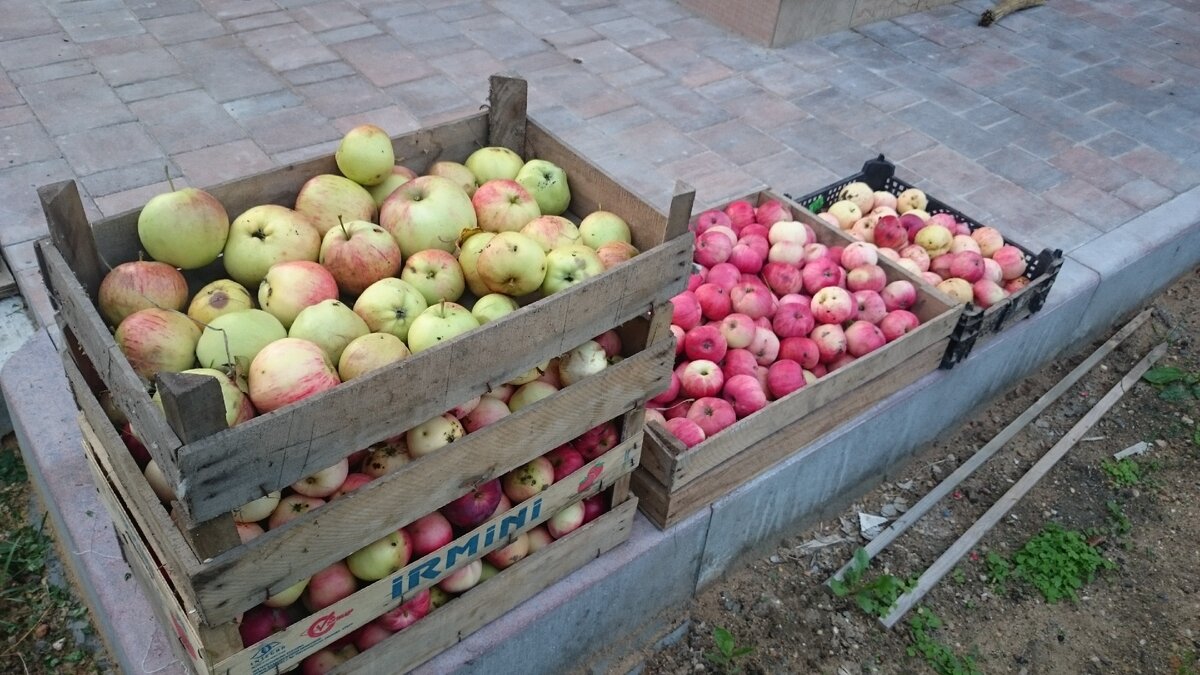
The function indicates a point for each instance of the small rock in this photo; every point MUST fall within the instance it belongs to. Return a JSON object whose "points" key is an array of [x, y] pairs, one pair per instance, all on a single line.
{"points": [[775, 560], [1161, 443], [1041, 423], [1187, 420]]}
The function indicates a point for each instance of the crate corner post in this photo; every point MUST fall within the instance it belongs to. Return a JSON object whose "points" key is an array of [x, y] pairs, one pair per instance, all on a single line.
{"points": [[508, 99], [71, 233]]}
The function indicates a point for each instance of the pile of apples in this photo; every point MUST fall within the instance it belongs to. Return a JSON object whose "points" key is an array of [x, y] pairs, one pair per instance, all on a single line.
{"points": [[968, 265], [431, 532], [768, 310]]}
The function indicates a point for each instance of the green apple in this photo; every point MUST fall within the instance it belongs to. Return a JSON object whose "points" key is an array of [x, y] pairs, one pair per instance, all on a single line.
{"points": [[548, 185], [329, 324], [238, 408], [504, 206], [468, 258], [328, 200], [436, 274], [428, 212], [365, 155], [231, 341], [552, 232], [390, 306], [512, 263], [381, 557], [265, 235], [570, 265], [600, 227], [439, 323], [493, 306], [288, 595], [399, 176], [456, 172], [433, 434], [494, 162], [530, 393], [358, 254], [368, 352], [184, 228], [219, 297], [259, 509]]}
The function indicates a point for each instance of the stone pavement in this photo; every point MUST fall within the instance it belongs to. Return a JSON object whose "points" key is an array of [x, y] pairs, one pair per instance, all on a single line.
{"points": [[1061, 125]]}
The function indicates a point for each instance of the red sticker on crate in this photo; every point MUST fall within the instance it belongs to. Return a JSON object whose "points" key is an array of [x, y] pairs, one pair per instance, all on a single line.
{"points": [[592, 474], [187, 644], [326, 623]]}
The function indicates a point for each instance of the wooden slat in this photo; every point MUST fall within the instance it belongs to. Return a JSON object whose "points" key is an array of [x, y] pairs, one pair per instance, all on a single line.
{"points": [[380, 596], [299, 440], [8, 284], [71, 233], [469, 612], [281, 557], [665, 508], [128, 390], [507, 104], [988, 520]]}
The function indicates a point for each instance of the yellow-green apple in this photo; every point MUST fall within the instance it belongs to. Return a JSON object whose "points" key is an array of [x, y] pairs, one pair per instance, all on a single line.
{"points": [[614, 253], [503, 206], [219, 297], [475, 506], [935, 239], [184, 228], [324, 482], [258, 509], [468, 257], [365, 155], [328, 586], [288, 595], [528, 480], [238, 408], [265, 235], [287, 371], [291, 286], [158, 340], [436, 274], [552, 232], [429, 533], [399, 176], [390, 306], [329, 324], [386, 457], [368, 352], [489, 410], [381, 557], [860, 193], [158, 483], [910, 200], [529, 375], [503, 558], [439, 323], [359, 253], [292, 507], [529, 393], [427, 212], [433, 434], [600, 227], [587, 359], [570, 265], [493, 306], [547, 182], [328, 200], [511, 263], [494, 162], [958, 289], [565, 521], [456, 172], [142, 284], [846, 212], [231, 341]]}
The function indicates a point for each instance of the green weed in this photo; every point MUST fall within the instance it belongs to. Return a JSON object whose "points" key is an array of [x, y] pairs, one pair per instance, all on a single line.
{"points": [[1174, 384], [727, 651], [1123, 472], [941, 658], [1058, 562], [876, 596]]}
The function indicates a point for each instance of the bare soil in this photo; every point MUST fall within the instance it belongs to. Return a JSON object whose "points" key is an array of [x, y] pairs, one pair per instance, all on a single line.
{"points": [[1142, 616]]}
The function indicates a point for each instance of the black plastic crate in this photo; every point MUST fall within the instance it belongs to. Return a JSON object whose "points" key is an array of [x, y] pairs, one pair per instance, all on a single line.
{"points": [[976, 322]]}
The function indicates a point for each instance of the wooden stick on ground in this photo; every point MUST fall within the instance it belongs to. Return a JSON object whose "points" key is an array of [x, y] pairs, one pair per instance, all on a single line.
{"points": [[1006, 7], [913, 514], [981, 527]]}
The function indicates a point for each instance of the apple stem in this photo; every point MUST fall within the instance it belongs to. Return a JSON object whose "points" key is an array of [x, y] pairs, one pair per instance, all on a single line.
{"points": [[343, 224], [171, 183]]}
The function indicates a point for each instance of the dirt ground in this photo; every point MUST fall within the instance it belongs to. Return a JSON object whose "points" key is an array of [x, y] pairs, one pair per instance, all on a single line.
{"points": [[1143, 516]]}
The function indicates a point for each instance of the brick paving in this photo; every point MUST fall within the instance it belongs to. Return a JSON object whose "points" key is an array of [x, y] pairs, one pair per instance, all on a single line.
{"points": [[1057, 124]]}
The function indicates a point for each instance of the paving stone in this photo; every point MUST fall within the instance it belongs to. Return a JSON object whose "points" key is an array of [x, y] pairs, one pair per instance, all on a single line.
{"points": [[102, 25], [127, 177], [53, 71], [739, 54], [789, 171], [348, 33], [318, 72], [602, 56], [134, 198], [431, 96], [660, 142], [290, 129], [109, 147], [581, 91], [571, 37], [730, 88], [225, 68], [1038, 106], [466, 10], [1143, 193], [691, 68], [502, 37], [689, 169], [847, 113], [1027, 218], [25, 144], [184, 28], [725, 185], [261, 104], [343, 96], [1161, 168], [13, 115], [630, 32], [58, 104], [119, 45], [232, 9], [394, 119], [153, 9], [601, 13], [31, 52], [23, 19], [1023, 168], [948, 94], [470, 70], [537, 16], [256, 21], [187, 121], [536, 62], [1031, 136], [950, 129], [617, 121], [785, 80], [154, 88], [1112, 144], [1087, 100], [433, 49], [286, 47], [634, 77], [305, 153], [559, 119], [327, 15], [1092, 167], [1097, 207], [137, 66], [423, 27], [765, 111], [681, 106], [219, 163], [383, 10], [887, 33], [1104, 83], [825, 144], [894, 99], [384, 60], [898, 147], [67, 9], [738, 141], [21, 217], [956, 173]]}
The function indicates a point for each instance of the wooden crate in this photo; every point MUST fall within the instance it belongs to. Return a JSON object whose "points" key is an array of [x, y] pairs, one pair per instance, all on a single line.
{"points": [[674, 481], [194, 551]]}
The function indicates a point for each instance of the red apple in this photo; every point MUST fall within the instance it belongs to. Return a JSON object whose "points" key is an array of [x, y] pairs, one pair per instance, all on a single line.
{"points": [[566, 521], [328, 586], [770, 212], [1011, 261], [765, 346], [897, 323], [710, 219], [802, 350], [866, 278], [489, 411], [138, 285], [833, 304], [738, 330], [740, 212], [783, 278], [688, 432], [792, 320], [712, 414], [821, 273], [407, 613], [705, 342], [863, 337], [686, 310], [752, 299], [784, 377], [890, 233], [987, 293], [429, 533], [565, 459], [725, 275], [701, 378], [669, 394], [831, 341], [967, 266], [714, 301], [712, 248], [289, 370], [870, 306], [261, 622], [598, 440], [745, 394], [899, 295], [476, 506]]}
